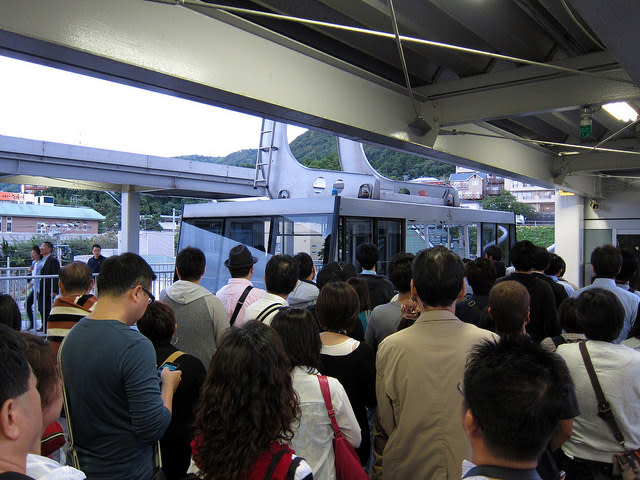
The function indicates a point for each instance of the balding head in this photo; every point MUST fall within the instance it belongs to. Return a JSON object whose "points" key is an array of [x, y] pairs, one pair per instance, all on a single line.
{"points": [[509, 307], [75, 279]]}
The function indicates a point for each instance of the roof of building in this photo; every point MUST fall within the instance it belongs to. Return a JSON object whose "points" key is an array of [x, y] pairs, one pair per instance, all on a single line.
{"points": [[463, 177], [11, 209]]}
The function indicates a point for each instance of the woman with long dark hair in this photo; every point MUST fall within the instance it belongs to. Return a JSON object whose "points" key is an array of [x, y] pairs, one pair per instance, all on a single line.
{"points": [[313, 436], [247, 410], [350, 361]]}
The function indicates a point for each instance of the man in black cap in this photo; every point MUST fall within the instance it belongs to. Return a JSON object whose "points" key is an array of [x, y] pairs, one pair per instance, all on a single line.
{"points": [[239, 292]]}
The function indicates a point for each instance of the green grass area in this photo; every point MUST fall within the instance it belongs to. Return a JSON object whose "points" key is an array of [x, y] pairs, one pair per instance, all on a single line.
{"points": [[541, 235]]}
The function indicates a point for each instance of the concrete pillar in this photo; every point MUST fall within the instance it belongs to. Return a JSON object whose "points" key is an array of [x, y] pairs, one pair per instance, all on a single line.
{"points": [[569, 234], [130, 220]]}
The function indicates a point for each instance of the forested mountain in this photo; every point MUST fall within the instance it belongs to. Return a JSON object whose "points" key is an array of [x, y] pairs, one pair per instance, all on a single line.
{"points": [[319, 150]]}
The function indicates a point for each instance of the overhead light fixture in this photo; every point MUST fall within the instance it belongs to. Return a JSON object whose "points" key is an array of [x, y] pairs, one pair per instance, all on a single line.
{"points": [[621, 111]]}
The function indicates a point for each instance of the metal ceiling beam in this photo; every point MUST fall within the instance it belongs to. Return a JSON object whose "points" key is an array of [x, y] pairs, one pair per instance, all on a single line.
{"points": [[526, 90], [594, 162], [173, 49]]}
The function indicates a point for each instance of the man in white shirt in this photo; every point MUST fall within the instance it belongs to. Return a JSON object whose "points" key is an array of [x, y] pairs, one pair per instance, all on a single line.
{"points": [[280, 277], [607, 261]]}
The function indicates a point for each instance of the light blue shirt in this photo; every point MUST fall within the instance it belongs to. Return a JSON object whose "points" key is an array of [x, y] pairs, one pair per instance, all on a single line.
{"points": [[37, 266], [629, 302]]}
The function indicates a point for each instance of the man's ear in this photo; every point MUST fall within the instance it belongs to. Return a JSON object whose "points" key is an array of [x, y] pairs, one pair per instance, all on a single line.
{"points": [[414, 292], [462, 291], [470, 425], [489, 312], [178, 273], [61, 288], [90, 289], [8, 424]]}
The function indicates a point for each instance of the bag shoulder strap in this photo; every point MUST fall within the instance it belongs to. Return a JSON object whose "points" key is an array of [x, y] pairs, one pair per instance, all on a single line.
{"points": [[326, 394], [268, 311], [173, 357], [239, 304], [604, 409], [274, 463], [73, 451], [291, 473], [558, 340]]}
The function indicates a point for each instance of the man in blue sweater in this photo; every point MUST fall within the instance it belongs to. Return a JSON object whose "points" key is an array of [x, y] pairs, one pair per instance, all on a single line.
{"points": [[118, 407]]}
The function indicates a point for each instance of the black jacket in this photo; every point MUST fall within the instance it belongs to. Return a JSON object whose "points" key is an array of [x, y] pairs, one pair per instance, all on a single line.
{"points": [[380, 289]]}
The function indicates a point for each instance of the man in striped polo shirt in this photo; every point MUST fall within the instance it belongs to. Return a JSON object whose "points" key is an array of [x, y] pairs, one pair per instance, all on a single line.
{"points": [[74, 302]]}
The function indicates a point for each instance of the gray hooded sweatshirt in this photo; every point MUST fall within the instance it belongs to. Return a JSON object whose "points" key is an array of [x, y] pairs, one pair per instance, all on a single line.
{"points": [[201, 318]]}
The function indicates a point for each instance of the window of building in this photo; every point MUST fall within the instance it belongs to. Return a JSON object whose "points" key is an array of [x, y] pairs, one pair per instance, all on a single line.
{"points": [[84, 226], [41, 227], [9, 224], [0, 224]]}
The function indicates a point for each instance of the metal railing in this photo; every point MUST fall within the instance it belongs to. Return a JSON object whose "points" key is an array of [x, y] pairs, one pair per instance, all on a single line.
{"points": [[18, 283]]}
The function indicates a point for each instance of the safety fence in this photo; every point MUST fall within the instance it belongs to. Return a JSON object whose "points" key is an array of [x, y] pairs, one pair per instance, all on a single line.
{"points": [[24, 287]]}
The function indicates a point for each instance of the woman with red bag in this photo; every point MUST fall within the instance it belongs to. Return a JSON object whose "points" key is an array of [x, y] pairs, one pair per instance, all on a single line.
{"points": [[313, 436]]}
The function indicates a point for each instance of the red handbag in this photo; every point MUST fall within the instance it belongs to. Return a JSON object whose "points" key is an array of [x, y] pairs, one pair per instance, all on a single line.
{"points": [[348, 465]]}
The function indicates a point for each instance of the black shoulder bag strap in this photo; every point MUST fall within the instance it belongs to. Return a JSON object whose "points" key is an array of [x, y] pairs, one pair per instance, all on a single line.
{"points": [[604, 410], [274, 463], [241, 300], [502, 473], [268, 311]]}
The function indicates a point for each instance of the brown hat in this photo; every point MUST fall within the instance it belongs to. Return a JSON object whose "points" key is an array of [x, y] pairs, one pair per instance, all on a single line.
{"points": [[240, 257]]}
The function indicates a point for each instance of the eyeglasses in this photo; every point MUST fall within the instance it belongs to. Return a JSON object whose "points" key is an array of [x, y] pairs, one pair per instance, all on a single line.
{"points": [[151, 296]]}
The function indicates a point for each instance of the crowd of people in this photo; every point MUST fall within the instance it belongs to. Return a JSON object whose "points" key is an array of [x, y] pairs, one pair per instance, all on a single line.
{"points": [[445, 369]]}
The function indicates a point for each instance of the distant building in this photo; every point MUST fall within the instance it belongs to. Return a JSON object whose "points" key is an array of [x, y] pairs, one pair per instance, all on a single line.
{"points": [[470, 185], [541, 198], [19, 220]]}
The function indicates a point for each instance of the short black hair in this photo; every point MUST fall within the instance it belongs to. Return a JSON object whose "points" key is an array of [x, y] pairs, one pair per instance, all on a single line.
{"points": [[15, 371], [158, 323], [281, 274], [481, 274], [630, 263], [541, 258], [516, 391], [300, 336], [606, 261], [95, 245], [367, 255], [239, 272], [119, 273], [509, 303], [438, 275], [600, 314], [49, 244], [557, 265], [567, 316], [335, 272], [522, 254], [305, 265], [36, 248], [400, 271], [493, 252], [337, 306], [10, 312], [76, 277], [190, 262]]}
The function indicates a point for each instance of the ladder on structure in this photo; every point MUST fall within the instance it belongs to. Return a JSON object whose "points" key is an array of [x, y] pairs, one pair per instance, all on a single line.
{"points": [[265, 154]]}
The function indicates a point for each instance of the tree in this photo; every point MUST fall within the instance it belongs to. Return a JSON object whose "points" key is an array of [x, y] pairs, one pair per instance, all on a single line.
{"points": [[506, 202]]}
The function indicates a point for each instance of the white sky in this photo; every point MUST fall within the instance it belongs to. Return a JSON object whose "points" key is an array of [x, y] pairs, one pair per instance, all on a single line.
{"points": [[44, 103]]}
